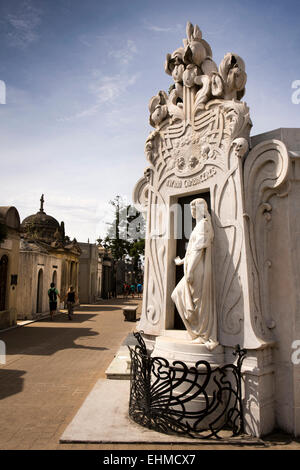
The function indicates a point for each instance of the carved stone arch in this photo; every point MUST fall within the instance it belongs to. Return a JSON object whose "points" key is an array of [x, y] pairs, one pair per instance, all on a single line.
{"points": [[54, 277], [266, 170], [141, 193]]}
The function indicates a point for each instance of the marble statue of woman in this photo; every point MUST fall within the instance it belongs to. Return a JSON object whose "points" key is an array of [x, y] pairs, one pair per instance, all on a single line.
{"points": [[193, 294]]}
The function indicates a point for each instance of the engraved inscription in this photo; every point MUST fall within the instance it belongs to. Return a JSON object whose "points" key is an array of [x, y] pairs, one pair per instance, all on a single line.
{"points": [[199, 179], [171, 183]]}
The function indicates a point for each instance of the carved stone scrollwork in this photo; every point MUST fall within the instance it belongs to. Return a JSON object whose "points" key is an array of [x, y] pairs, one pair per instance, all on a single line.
{"points": [[265, 174], [200, 143], [141, 192], [197, 80]]}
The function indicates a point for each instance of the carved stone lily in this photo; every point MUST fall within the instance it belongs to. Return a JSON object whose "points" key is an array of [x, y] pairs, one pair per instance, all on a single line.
{"points": [[158, 108], [190, 74], [232, 71], [174, 65], [196, 49]]}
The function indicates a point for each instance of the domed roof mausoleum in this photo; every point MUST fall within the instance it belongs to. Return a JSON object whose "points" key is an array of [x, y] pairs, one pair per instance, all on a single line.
{"points": [[40, 226]]}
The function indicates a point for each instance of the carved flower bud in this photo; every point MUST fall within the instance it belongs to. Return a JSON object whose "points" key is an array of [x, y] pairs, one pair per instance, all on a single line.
{"points": [[189, 30], [208, 66], [176, 58], [178, 73], [180, 163], [205, 151], [159, 114], [195, 53], [190, 74], [158, 108], [193, 161], [197, 34], [217, 85], [232, 70]]}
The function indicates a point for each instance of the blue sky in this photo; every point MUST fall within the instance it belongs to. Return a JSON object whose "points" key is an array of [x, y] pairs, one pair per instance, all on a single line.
{"points": [[79, 76]]}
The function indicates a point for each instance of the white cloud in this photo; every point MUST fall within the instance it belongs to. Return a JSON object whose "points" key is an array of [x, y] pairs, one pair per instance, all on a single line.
{"points": [[124, 54], [84, 39], [109, 88], [22, 25], [90, 111], [106, 89], [160, 29]]}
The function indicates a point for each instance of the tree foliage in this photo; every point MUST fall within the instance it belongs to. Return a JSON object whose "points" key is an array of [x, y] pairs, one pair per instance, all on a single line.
{"points": [[125, 238]]}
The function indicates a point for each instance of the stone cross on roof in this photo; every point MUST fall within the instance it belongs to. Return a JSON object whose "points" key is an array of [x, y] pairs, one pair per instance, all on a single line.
{"points": [[42, 203]]}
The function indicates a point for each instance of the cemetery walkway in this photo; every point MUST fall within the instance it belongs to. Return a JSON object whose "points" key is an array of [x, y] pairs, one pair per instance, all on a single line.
{"points": [[50, 369]]}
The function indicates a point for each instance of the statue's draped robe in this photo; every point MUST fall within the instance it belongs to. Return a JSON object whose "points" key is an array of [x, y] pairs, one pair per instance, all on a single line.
{"points": [[194, 300]]}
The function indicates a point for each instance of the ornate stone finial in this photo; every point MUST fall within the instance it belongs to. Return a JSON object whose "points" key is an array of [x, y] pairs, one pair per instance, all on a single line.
{"points": [[42, 203], [158, 108], [197, 80], [62, 230]]}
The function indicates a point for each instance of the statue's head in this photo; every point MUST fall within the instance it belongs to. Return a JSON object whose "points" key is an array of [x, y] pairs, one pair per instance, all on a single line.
{"points": [[199, 208]]}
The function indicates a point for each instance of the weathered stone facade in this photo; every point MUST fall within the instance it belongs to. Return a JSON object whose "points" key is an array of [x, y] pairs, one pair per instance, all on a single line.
{"points": [[9, 266], [46, 255]]}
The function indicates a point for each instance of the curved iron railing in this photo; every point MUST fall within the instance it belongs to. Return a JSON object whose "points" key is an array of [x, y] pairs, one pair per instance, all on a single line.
{"points": [[163, 396]]}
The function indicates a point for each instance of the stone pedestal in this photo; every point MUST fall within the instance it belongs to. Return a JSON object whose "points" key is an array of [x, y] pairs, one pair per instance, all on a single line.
{"points": [[176, 345]]}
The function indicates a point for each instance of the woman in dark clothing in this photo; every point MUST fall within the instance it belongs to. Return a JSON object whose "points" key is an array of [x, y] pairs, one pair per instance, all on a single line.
{"points": [[52, 294], [71, 298]]}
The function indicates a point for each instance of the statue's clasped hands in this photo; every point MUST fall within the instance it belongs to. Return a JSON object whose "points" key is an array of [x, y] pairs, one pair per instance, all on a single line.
{"points": [[178, 261], [188, 275]]}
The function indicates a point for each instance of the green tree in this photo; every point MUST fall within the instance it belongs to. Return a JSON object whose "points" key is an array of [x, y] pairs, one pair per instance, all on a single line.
{"points": [[137, 252], [125, 235]]}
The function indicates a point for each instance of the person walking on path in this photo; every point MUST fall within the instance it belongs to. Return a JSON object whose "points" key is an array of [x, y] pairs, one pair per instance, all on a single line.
{"points": [[53, 294], [139, 289], [71, 298], [126, 290], [132, 289]]}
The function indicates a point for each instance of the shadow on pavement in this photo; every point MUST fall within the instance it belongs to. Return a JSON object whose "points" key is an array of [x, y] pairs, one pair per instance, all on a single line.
{"points": [[62, 317], [279, 438], [11, 382], [47, 340], [95, 308]]}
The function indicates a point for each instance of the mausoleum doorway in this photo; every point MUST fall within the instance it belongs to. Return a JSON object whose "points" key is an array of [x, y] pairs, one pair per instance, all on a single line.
{"points": [[3, 281], [54, 277], [39, 297], [185, 225]]}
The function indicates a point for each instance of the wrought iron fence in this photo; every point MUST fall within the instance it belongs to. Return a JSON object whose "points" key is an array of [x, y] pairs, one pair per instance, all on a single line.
{"points": [[196, 402]]}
